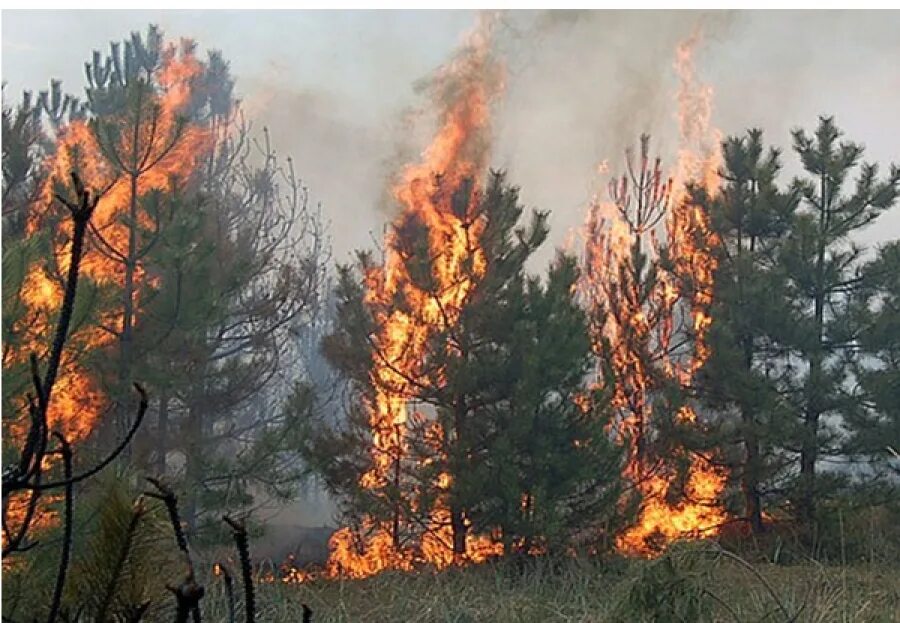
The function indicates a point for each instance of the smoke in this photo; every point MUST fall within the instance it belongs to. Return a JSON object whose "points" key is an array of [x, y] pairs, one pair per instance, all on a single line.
{"points": [[342, 160], [579, 88], [582, 86]]}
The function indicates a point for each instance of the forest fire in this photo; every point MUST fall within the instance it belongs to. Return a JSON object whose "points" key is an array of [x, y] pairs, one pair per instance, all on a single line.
{"points": [[465, 89], [646, 310], [144, 151], [224, 399], [152, 148], [459, 152]]}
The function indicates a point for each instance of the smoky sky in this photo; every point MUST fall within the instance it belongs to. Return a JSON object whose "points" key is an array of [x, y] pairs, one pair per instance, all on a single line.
{"points": [[337, 89]]}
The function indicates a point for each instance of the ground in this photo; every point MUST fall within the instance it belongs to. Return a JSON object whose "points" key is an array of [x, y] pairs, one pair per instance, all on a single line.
{"points": [[691, 585]]}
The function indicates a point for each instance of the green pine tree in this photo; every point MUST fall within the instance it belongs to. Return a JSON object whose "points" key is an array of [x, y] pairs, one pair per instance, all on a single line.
{"points": [[875, 424], [820, 261], [751, 217], [549, 473]]}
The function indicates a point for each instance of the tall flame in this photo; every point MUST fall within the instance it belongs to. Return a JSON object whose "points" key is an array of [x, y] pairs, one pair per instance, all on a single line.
{"points": [[464, 90], [637, 323], [78, 400]]}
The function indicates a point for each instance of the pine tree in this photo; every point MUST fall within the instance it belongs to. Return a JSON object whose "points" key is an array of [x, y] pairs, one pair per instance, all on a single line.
{"points": [[203, 257], [648, 298], [875, 423], [216, 354], [751, 218], [549, 473], [496, 388], [134, 141], [820, 262], [24, 147]]}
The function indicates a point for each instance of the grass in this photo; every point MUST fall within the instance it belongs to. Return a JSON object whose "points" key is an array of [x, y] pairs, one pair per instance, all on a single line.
{"points": [[689, 584]]}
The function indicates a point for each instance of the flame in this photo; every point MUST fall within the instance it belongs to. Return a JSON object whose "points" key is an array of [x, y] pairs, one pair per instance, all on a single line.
{"points": [[636, 324], [78, 400], [464, 90]]}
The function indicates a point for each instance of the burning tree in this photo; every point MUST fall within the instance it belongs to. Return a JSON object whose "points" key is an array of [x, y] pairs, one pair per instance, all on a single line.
{"points": [[445, 341], [25, 478], [505, 450], [121, 566], [650, 301], [143, 141], [439, 230], [181, 200], [189, 196], [133, 142]]}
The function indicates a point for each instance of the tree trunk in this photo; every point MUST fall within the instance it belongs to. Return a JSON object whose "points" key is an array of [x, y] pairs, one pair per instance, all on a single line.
{"points": [[193, 465], [122, 409], [809, 450], [457, 513], [752, 457], [809, 447], [395, 524], [125, 337], [458, 523], [751, 477]]}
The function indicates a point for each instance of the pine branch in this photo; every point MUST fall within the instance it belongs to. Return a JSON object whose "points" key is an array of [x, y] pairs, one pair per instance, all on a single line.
{"points": [[189, 593], [228, 580], [239, 532], [29, 471], [68, 520], [119, 567], [169, 498], [81, 216]]}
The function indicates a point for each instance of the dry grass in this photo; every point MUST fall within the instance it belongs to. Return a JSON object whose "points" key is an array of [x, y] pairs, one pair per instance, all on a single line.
{"points": [[690, 586]]}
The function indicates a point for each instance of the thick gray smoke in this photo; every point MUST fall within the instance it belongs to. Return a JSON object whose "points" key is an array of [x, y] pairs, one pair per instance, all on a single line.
{"points": [[337, 88], [582, 90]]}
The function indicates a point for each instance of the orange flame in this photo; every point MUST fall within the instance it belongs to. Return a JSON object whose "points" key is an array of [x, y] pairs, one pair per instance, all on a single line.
{"points": [[636, 324], [464, 89], [77, 398]]}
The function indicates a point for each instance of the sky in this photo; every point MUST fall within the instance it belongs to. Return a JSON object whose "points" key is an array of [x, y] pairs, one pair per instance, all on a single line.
{"points": [[335, 87]]}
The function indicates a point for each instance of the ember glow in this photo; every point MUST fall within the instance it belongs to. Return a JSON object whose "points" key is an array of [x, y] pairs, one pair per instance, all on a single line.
{"points": [[458, 152], [642, 331]]}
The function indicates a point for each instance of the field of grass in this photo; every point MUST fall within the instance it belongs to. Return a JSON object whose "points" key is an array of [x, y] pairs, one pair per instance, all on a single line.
{"points": [[693, 584]]}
